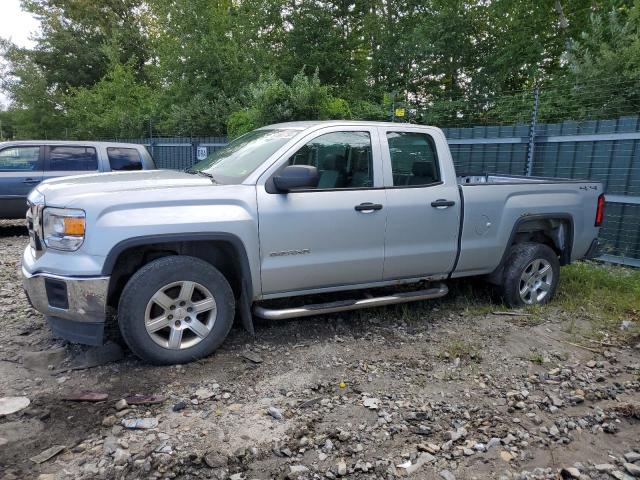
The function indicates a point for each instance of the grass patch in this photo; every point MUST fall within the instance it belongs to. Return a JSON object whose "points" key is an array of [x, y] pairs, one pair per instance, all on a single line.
{"points": [[462, 350], [538, 359], [605, 294]]}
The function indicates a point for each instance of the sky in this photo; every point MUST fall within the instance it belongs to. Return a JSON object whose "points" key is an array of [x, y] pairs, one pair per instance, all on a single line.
{"points": [[16, 25]]}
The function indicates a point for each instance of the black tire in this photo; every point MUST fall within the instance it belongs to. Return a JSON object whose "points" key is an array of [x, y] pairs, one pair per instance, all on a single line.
{"points": [[520, 257], [151, 278]]}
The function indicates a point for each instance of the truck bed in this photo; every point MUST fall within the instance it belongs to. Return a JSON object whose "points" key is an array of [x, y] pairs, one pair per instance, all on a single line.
{"points": [[478, 179], [494, 205]]}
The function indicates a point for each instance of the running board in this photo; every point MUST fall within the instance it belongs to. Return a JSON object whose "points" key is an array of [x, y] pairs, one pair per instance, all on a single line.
{"points": [[343, 305]]}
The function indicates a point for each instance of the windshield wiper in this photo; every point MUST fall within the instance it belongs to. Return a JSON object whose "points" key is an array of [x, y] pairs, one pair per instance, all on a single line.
{"points": [[200, 172]]}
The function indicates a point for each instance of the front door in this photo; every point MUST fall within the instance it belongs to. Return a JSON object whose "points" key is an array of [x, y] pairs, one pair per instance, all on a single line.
{"points": [[20, 171], [423, 207], [326, 236]]}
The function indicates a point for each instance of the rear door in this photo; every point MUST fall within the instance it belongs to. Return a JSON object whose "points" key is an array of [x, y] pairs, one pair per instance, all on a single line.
{"points": [[332, 235], [67, 160], [20, 171], [423, 203]]}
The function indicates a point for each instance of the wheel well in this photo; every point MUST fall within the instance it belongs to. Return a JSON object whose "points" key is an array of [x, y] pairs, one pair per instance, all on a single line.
{"points": [[219, 253], [556, 233]]}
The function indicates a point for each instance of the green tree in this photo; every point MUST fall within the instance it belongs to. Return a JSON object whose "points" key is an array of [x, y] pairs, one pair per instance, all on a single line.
{"points": [[322, 37], [7, 125], [116, 106], [198, 67], [36, 110], [199, 60], [70, 49], [604, 65]]}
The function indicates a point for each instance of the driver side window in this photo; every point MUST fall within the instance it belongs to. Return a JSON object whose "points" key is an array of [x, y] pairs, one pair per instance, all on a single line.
{"points": [[343, 159]]}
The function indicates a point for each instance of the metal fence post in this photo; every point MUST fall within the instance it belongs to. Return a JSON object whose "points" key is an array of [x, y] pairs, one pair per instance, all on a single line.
{"points": [[193, 155], [532, 132], [151, 140]]}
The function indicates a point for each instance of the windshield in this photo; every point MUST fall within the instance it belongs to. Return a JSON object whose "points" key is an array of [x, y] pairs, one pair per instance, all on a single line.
{"points": [[235, 162]]}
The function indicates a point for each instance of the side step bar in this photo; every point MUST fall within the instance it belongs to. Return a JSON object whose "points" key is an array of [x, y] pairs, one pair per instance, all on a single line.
{"points": [[343, 305]]}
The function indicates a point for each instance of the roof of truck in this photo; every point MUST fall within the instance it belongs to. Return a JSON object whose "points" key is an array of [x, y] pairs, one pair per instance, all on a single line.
{"points": [[303, 125]]}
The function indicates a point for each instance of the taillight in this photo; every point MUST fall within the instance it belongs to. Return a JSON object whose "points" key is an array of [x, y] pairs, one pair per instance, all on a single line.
{"points": [[600, 210]]}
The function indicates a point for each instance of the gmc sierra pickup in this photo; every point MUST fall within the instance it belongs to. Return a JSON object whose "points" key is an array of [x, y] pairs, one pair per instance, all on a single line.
{"points": [[290, 210]]}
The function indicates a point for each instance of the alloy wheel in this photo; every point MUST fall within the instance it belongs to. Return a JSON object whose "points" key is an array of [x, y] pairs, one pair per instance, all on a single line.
{"points": [[536, 281], [180, 315]]}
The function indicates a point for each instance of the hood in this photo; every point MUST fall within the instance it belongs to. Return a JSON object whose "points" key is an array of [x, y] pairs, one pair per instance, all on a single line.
{"points": [[65, 189]]}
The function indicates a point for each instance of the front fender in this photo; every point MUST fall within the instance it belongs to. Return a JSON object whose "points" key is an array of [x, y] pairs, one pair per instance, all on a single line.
{"points": [[248, 284], [162, 216]]}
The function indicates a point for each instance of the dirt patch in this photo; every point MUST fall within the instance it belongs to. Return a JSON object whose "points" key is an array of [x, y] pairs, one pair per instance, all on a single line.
{"points": [[425, 388]]}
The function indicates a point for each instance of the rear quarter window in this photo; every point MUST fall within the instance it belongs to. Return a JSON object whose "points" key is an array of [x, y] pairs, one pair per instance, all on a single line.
{"points": [[121, 159]]}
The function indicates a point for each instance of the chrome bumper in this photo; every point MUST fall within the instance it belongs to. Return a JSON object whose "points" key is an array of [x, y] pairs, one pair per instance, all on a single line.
{"points": [[71, 298]]}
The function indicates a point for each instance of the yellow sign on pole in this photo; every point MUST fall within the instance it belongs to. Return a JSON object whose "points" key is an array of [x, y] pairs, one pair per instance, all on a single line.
{"points": [[400, 112]]}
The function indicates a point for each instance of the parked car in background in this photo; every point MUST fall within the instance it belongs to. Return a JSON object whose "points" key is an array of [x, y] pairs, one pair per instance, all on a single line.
{"points": [[291, 210], [24, 164]]}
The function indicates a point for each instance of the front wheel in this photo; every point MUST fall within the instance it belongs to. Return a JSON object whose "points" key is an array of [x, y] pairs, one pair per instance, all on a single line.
{"points": [[175, 310], [530, 276]]}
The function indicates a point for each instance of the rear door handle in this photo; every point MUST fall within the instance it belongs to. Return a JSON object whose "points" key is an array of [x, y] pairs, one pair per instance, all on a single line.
{"points": [[31, 180], [368, 207], [442, 203]]}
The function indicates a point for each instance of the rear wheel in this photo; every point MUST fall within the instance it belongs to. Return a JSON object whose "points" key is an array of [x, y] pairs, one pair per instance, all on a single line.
{"points": [[530, 276], [175, 310]]}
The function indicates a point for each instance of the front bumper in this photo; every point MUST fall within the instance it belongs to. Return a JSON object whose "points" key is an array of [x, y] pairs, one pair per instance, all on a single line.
{"points": [[75, 307]]}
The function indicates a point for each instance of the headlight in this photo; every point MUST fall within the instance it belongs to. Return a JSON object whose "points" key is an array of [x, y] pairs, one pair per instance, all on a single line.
{"points": [[63, 228]]}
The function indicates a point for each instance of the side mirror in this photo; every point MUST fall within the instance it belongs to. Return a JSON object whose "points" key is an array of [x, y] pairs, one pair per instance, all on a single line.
{"points": [[295, 177]]}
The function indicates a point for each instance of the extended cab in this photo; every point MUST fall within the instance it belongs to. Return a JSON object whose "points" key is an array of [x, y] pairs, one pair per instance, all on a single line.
{"points": [[290, 210]]}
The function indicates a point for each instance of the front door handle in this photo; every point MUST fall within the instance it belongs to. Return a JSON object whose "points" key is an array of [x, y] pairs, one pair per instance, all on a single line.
{"points": [[442, 203], [31, 180], [368, 207]]}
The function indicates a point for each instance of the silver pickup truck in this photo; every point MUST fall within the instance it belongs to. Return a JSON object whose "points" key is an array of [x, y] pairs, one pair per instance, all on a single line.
{"points": [[285, 211]]}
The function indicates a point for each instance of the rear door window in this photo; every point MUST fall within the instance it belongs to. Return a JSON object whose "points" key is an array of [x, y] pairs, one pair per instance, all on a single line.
{"points": [[124, 159], [414, 160], [19, 159], [72, 158]]}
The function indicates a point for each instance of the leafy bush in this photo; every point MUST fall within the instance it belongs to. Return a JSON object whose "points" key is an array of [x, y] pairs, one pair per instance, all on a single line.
{"points": [[271, 100], [365, 110], [199, 116], [336, 109], [240, 122], [118, 104]]}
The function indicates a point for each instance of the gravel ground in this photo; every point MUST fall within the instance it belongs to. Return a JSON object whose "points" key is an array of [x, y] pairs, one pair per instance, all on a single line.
{"points": [[421, 391]]}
